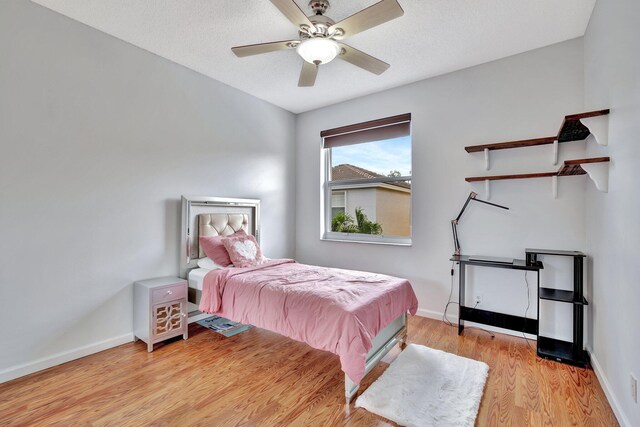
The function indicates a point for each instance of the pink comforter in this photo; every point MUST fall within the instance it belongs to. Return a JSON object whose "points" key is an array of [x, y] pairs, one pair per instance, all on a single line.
{"points": [[330, 309]]}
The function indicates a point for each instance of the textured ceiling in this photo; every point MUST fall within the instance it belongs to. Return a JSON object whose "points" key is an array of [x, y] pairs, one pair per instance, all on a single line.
{"points": [[433, 37]]}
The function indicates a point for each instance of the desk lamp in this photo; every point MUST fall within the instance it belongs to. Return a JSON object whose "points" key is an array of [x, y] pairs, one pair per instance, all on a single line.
{"points": [[454, 222]]}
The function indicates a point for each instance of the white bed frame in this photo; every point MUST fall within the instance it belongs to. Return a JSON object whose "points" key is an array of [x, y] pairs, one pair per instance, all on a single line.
{"points": [[192, 206]]}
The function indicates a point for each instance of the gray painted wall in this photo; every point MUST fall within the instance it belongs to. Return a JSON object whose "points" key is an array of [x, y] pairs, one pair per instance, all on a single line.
{"points": [[612, 79], [524, 96], [98, 140]]}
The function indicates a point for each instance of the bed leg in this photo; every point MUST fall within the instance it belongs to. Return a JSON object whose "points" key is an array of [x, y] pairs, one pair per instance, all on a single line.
{"points": [[403, 341], [350, 389]]}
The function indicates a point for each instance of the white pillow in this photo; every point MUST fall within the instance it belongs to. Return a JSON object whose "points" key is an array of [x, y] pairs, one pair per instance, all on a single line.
{"points": [[208, 264]]}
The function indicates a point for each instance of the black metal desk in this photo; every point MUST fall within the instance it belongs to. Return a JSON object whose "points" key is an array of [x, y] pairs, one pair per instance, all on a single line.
{"points": [[500, 320]]}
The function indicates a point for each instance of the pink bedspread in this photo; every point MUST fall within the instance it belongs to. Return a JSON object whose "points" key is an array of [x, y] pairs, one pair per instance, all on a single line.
{"points": [[330, 309]]}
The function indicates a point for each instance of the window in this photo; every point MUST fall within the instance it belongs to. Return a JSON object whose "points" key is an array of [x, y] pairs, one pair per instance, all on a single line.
{"points": [[338, 202], [367, 181]]}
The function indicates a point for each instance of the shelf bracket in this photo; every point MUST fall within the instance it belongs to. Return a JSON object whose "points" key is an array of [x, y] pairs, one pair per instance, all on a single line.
{"points": [[487, 189], [555, 152], [599, 128], [599, 174], [554, 186], [487, 165]]}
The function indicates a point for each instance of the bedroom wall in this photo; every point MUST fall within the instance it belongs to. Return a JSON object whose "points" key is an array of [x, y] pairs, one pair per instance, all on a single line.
{"points": [[98, 141], [612, 80], [523, 96]]}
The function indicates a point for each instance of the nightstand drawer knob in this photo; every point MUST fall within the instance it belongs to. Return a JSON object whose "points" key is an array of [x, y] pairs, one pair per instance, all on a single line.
{"points": [[168, 293]]}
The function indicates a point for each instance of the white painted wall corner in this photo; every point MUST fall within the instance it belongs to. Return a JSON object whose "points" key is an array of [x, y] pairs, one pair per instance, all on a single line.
{"points": [[608, 391]]}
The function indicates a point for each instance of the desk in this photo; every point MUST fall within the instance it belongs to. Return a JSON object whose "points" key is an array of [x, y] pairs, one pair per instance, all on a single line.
{"points": [[500, 320]]}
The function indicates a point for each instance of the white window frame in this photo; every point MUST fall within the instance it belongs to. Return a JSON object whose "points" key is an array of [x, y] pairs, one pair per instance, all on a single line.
{"points": [[344, 192], [327, 186]]}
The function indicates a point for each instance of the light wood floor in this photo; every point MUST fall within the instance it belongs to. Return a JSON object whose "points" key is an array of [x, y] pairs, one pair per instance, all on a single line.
{"points": [[259, 378]]}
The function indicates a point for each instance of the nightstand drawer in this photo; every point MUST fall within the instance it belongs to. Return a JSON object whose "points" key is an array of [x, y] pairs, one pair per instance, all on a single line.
{"points": [[169, 293]]}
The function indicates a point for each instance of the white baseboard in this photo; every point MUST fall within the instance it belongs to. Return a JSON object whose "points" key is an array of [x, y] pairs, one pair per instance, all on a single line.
{"points": [[60, 358], [432, 314], [608, 391]]}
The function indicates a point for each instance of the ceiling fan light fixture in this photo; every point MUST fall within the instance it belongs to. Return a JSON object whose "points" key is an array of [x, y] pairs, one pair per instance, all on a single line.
{"points": [[318, 50], [320, 37]]}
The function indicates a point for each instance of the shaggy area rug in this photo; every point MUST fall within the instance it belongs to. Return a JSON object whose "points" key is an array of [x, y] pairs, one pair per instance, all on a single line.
{"points": [[427, 387]]}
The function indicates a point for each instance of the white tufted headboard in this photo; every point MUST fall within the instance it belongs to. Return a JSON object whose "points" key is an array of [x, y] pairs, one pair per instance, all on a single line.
{"points": [[211, 216], [220, 224]]}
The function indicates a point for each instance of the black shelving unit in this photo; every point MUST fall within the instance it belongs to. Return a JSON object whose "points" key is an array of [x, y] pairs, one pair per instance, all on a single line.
{"points": [[550, 348]]}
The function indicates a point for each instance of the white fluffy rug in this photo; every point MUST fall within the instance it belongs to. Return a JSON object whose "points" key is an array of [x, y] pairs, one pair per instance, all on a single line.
{"points": [[427, 387]]}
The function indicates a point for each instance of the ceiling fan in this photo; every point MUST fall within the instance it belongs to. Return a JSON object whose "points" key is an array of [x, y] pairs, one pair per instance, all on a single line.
{"points": [[320, 37]]}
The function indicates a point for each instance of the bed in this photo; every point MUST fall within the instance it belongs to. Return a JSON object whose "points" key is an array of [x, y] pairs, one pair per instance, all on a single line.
{"points": [[369, 315]]}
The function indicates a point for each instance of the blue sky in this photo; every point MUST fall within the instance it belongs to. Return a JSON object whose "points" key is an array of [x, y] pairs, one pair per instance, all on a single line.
{"points": [[380, 156]]}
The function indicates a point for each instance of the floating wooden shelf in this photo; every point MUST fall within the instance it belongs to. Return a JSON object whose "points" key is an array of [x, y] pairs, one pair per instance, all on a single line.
{"points": [[511, 144], [568, 168], [574, 167], [572, 129], [513, 176]]}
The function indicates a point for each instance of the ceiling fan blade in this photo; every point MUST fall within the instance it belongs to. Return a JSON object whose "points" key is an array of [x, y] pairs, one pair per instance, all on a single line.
{"points": [[308, 74], [292, 11], [374, 15], [362, 60], [257, 49]]}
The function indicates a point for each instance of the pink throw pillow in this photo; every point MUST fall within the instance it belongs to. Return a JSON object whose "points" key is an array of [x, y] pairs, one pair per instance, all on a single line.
{"points": [[214, 249], [244, 251]]}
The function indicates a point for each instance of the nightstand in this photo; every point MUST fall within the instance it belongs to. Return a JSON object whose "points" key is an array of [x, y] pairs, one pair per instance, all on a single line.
{"points": [[159, 310]]}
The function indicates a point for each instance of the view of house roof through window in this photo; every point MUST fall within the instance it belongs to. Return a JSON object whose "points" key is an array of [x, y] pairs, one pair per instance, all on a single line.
{"points": [[378, 157], [368, 187], [347, 172]]}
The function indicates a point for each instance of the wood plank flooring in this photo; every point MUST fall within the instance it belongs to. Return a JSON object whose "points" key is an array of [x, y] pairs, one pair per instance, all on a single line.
{"points": [[259, 378]]}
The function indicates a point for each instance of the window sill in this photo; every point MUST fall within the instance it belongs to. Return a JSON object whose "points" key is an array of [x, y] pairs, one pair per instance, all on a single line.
{"points": [[382, 240]]}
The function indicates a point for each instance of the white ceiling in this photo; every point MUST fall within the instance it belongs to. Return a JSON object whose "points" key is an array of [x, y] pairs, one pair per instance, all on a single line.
{"points": [[433, 37]]}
